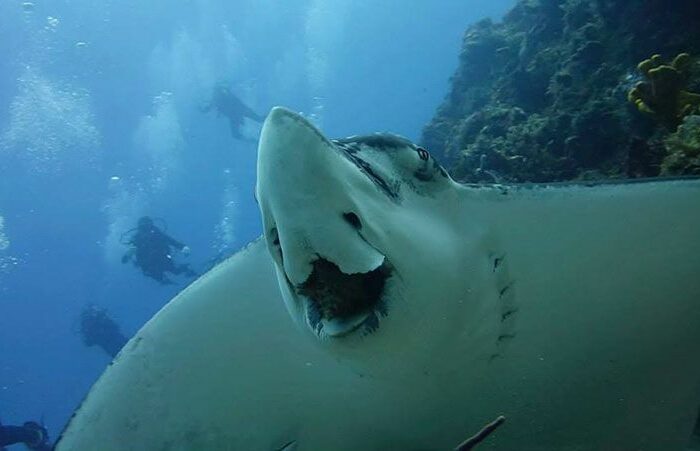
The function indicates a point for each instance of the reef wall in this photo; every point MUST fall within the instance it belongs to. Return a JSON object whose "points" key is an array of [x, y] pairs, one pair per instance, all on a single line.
{"points": [[545, 94]]}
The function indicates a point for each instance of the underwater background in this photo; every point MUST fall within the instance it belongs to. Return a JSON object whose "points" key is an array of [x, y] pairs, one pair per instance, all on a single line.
{"points": [[101, 122]]}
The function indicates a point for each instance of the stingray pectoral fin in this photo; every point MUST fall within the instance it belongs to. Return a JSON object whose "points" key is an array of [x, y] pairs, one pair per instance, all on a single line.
{"points": [[224, 341]]}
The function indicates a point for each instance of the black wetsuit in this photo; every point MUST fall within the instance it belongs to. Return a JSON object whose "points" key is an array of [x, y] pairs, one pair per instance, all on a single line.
{"points": [[98, 329], [152, 250], [30, 436], [227, 104]]}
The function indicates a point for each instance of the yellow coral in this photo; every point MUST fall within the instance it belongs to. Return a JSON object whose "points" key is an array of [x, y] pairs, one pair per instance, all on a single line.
{"points": [[682, 62], [663, 93]]}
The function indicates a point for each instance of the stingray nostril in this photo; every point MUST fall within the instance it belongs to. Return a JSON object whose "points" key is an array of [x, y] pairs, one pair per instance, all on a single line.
{"points": [[353, 220], [274, 236]]}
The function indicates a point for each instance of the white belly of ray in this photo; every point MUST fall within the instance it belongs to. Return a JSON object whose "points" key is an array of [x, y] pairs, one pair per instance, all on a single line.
{"points": [[602, 353]]}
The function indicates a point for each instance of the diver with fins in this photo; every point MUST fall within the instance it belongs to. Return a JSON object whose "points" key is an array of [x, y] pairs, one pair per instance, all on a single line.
{"points": [[98, 329], [227, 104], [151, 251]]}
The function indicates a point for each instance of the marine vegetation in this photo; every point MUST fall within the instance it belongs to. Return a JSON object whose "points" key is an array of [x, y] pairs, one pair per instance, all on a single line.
{"points": [[542, 95], [663, 93], [683, 147]]}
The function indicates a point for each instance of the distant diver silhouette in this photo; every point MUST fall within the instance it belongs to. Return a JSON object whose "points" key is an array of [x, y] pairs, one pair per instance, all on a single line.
{"points": [[227, 104], [151, 252], [32, 434], [98, 329]]}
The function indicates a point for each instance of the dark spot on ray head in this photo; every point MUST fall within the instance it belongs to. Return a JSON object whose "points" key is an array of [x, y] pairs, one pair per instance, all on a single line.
{"points": [[352, 219], [377, 140], [274, 235]]}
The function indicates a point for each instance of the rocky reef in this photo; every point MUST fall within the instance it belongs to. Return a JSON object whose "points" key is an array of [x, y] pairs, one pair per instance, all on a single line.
{"points": [[547, 93], [683, 149]]}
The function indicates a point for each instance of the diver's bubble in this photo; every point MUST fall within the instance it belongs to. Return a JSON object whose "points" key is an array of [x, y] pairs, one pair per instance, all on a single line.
{"points": [[163, 98], [225, 231], [114, 183], [51, 125], [27, 7], [123, 206], [4, 242], [80, 44], [6, 261], [160, 140], [52, 21]]}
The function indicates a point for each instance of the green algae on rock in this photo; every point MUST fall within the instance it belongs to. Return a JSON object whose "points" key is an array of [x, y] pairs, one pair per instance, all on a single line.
{"points": [[542, 95], [683, 148]]}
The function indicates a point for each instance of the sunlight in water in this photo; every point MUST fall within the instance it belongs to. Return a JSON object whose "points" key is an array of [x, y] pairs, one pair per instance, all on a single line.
{"points": [[225, 231]]}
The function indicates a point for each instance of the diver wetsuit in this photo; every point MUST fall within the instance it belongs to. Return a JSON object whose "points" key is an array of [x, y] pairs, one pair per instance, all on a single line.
{"points": [[97, 328], [151, 249], [227, 104], [32, 434]]}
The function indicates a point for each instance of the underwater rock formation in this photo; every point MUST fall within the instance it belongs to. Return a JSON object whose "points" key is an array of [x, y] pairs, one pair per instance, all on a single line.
{"points": [[542, 95], [683, 147]]}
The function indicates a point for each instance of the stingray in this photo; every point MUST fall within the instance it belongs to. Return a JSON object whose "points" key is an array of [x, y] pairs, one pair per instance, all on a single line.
{"points": [[387, 306]]}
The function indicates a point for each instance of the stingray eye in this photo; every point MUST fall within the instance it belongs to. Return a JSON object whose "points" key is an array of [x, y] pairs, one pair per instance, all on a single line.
{"points": [[423, 154]]}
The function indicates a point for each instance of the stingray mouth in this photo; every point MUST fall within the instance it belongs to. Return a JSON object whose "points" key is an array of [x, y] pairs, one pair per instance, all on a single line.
{"points": [[337, 304]]}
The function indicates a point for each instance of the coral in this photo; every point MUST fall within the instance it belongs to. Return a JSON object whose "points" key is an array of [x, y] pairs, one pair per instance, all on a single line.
{"points": [[683, 148], [663, 92], [541, 95]]}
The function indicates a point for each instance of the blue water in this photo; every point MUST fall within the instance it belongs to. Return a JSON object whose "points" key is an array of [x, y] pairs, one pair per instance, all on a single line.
{"points": [[100, 124]]}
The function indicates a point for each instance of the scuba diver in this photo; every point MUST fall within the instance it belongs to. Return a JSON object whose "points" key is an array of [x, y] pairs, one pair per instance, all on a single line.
{"points": [[227, 104], [31, 434], [151, 251], [98, 329]]}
